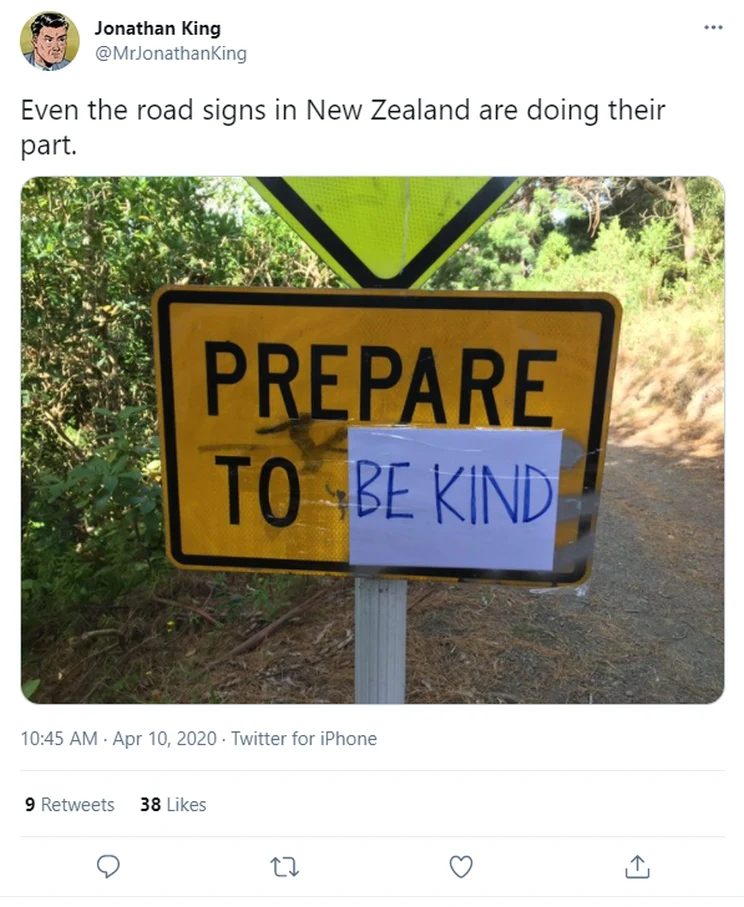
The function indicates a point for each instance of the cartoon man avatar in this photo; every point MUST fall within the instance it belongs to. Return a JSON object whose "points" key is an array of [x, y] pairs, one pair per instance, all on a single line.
{"points": [[49, 42]]}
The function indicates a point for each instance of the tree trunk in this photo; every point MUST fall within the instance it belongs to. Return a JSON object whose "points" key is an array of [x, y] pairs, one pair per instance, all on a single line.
{"points": [[676, 195], [684, 217]]}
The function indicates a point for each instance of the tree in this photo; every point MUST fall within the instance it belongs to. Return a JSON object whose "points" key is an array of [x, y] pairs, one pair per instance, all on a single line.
{"points": [[675, 194]]}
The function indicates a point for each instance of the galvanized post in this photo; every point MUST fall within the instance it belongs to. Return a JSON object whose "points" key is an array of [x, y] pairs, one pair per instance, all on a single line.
{"points": [[380, 642]]}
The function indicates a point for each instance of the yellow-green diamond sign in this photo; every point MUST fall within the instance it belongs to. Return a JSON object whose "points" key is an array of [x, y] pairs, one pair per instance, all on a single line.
{"points": [[386, 232]]}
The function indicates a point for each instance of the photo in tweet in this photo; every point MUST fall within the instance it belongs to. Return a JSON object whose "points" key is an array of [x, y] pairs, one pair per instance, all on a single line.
{"points": [[232, 465]]}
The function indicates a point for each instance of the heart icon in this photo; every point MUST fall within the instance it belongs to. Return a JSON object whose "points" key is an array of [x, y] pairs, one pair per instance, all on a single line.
{"points": [[461, 866]]}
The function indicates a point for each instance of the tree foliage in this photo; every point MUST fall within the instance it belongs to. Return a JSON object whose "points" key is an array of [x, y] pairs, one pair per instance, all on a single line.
{"points": [[93, 253], [622, 236]]}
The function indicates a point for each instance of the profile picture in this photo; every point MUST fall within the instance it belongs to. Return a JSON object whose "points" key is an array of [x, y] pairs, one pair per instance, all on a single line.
{"points": [[49, 41]]}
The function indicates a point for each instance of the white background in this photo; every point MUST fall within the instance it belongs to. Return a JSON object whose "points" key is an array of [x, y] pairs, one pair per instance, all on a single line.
{"points": [[585, 772]]}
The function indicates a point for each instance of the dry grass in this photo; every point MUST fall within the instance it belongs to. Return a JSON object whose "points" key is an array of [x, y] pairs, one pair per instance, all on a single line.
{"points": [[465, 644], [669, 383]]}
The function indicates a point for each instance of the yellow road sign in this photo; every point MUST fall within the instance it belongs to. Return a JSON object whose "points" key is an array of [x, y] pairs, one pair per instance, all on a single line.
{"points": [[385, 231], [259, 390]]}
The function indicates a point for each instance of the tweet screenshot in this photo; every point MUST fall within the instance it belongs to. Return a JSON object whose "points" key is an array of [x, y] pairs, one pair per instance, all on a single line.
{"points": [[371, 492]]}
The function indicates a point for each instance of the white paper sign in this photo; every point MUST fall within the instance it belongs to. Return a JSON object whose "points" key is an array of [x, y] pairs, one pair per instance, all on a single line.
{"points": [[479, 498]]}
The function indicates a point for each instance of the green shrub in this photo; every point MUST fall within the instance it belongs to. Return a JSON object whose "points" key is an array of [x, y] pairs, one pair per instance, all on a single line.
{"points": [[95, 531], [637, 270]]}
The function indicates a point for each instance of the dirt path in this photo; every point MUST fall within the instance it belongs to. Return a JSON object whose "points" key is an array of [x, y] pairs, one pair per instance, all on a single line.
{"points": [[659, 571]]}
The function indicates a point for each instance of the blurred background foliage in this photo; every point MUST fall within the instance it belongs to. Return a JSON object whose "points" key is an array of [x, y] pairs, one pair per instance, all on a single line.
{"points": [[95, 250]]}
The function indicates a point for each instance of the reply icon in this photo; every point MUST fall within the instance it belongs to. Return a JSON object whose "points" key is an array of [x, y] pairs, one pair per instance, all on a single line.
{"points": [[108, 864]]}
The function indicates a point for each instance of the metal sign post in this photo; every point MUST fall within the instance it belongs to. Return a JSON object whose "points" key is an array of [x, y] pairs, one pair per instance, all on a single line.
{"points": [[380, 640]]}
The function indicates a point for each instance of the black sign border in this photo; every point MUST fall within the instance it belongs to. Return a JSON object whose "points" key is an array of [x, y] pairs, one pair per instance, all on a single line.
{"points": [[419, 264], [422, 301]]}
